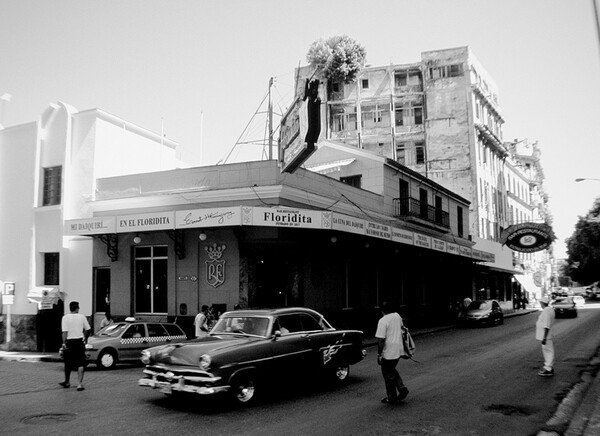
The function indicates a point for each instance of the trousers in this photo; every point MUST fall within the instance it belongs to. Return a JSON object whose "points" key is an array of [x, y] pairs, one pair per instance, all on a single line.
{"points": [[548, 353], [391, 377]]}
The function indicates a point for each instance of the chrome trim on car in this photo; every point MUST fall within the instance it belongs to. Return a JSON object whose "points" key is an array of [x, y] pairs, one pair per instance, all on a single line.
{"points": [[168, 380], [180, 386]]}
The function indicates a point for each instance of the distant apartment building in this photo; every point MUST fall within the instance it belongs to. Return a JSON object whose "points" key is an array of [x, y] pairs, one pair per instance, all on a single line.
{"points": [[441, 117]]}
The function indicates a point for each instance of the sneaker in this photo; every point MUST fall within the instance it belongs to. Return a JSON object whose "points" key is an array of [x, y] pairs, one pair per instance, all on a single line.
{"points": [[546, 373], [386, 400], [402, 393], [65, 385], [80, 388]]}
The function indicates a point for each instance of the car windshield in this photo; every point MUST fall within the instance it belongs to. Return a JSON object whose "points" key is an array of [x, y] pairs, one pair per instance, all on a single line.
{"points": [[568, 300], [480, 305], [246, 325], [113, 330]]}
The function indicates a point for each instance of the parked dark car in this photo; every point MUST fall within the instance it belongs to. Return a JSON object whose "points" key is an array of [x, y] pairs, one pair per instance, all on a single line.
{"points": [[248, 347], [565, 307], [124, 341], [486, 312]]}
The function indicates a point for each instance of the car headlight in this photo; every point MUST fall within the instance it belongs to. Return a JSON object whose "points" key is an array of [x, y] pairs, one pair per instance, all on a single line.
{"points": [[145, 358], [204, 362], [89, 347]]}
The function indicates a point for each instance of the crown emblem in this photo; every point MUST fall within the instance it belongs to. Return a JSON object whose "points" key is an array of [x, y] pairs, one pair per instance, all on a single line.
{"points": [[215, 251]]}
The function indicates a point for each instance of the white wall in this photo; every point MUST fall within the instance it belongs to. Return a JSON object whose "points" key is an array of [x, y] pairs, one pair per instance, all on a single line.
{"points": [[17, 178]]}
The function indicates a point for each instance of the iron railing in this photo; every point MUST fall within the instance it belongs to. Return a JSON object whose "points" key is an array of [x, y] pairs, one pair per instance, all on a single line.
{"points": [[411, 207]]}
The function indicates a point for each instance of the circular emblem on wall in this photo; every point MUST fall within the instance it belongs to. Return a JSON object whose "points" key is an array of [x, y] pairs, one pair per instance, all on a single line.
{"points": [[528, 237]]}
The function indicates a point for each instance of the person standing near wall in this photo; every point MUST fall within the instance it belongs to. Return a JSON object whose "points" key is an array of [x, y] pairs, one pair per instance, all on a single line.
{"points": [[201, 322], [75, 330]]}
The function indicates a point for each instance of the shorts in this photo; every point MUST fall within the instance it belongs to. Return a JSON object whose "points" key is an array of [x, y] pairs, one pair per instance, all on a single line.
{"points": [[75, 353]]}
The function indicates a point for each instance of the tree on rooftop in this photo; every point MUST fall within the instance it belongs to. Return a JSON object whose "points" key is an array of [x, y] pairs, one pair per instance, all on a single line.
{"points": [[340, 58]]}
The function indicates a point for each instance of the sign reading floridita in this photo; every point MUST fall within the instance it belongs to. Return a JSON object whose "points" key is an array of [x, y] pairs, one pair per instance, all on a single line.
{"points": [[267, 217]]}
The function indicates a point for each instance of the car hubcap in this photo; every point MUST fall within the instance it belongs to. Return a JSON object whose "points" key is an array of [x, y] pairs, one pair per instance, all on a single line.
{"points": [[342, 372], [107, 360], [245, 392]]}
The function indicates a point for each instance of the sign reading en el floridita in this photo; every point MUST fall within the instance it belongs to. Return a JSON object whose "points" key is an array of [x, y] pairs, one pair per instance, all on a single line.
{"points": [[528, 237]]}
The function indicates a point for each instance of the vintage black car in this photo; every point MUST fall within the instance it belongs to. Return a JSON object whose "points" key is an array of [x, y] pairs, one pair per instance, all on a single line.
{"points": [[248, 347]]}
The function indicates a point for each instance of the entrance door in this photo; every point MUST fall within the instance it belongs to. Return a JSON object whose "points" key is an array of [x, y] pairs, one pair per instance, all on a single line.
{"points": [[101, 289]]}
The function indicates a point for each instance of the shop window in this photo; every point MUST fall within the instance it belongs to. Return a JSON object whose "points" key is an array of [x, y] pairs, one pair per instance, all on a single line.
{"points": [[51, 268], [52, 186], [150, 278]]}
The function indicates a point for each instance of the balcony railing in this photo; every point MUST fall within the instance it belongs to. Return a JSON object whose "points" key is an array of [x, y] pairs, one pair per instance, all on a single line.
{"points": [[411, 207]]}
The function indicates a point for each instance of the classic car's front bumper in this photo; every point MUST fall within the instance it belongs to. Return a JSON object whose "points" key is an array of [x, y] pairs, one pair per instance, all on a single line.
{"points": [[169, 382]]}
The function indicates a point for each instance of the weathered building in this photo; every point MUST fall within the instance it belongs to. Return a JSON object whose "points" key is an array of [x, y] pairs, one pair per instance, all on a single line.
{"points": [[441, 117]]}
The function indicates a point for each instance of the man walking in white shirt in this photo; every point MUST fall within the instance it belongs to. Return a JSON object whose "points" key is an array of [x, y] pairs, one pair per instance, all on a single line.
{"points": [[389, 351], [75, 330], [543, 333]]}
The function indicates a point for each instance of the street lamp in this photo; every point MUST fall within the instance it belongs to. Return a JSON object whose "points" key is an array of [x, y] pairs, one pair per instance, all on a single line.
{"points": [[581, 179]]}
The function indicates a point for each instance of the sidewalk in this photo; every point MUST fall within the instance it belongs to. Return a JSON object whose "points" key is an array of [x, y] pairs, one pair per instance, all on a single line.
{"points": [[577, 415]]}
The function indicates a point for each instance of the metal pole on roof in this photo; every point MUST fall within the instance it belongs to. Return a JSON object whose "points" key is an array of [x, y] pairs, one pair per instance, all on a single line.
{"points": [[270, 115]]}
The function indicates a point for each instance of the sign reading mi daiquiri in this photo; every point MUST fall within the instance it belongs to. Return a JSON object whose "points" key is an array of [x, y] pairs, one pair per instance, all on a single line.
{"points": [[528, 237]]}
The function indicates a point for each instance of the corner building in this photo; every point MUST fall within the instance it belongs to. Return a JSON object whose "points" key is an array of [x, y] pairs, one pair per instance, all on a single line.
{"points": [[440, 117], [246, 233]]}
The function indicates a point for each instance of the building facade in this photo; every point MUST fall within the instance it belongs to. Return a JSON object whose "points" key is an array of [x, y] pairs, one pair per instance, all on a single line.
{"points": [[440, 117], [48, 172], [248, 234]]}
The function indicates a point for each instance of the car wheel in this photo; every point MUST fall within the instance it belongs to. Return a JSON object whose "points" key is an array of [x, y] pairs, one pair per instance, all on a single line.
{"points": [[341, 372], [243, 388], [107, 360]]}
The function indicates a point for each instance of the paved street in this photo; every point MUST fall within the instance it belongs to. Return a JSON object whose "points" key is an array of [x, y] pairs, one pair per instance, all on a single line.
{"points": [[468, 382]]}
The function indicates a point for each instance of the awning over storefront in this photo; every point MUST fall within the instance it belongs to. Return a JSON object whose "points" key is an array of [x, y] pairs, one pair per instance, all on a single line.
{"points": [[527, 282], [269, 217]]}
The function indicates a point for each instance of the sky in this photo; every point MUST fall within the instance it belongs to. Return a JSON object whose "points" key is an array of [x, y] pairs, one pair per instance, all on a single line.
{"points": [[198, 70]]}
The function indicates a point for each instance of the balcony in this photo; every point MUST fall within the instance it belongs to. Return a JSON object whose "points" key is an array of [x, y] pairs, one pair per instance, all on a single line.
{"points": [[422, 213]]}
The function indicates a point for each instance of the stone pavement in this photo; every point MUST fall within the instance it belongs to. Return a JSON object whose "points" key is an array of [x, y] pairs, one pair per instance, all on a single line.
{"points": [[578, 414]]}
